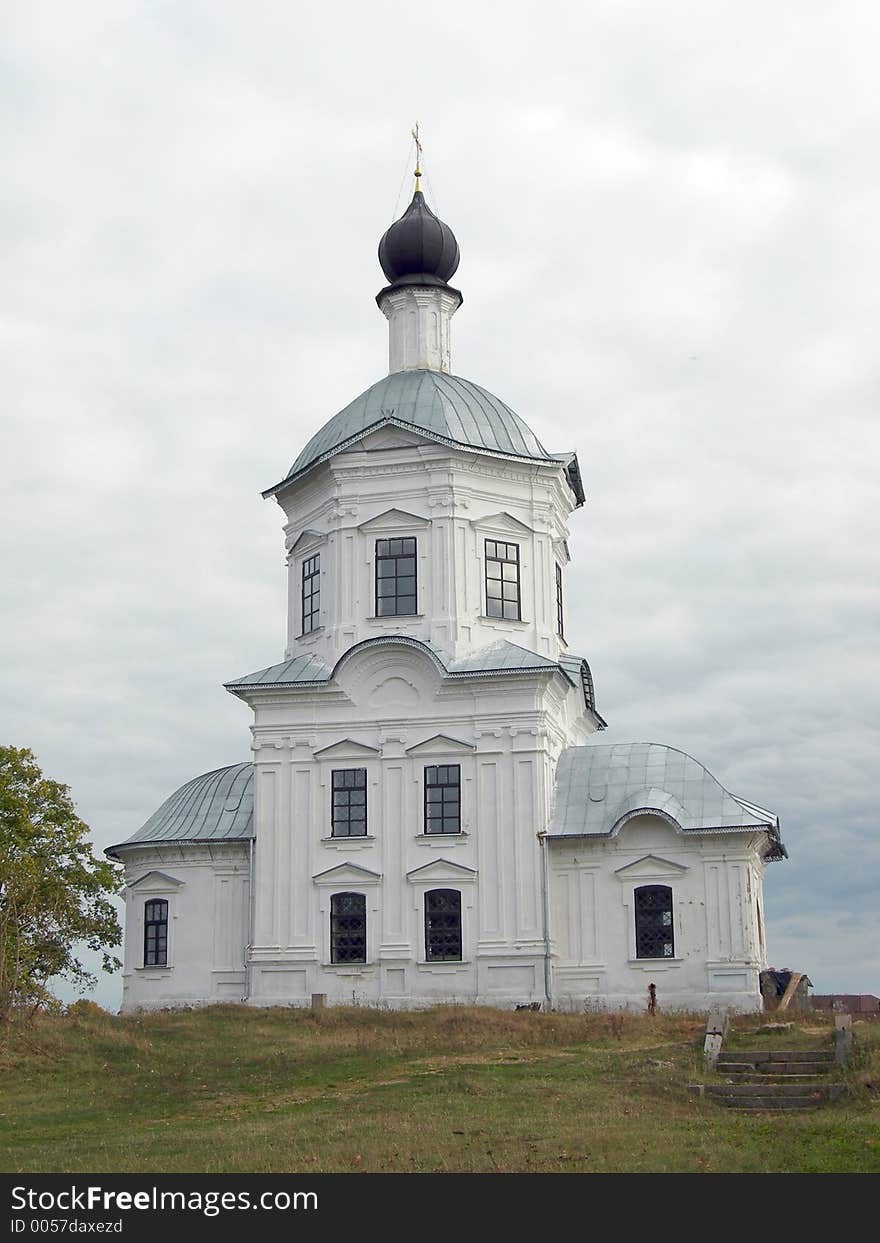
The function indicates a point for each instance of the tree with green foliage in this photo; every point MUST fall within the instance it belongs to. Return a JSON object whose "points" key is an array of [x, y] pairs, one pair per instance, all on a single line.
{"points": [[54, 894]]}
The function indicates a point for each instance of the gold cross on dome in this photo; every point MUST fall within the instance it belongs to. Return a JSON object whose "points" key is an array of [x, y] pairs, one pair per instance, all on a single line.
{"points": [[418, 170]]}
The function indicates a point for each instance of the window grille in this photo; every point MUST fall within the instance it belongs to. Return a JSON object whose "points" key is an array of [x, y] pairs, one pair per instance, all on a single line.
{"points": [[502, 580], [443, 798], [311, 594], [348, 927], [395, 577], [443, 925], [349, 811], [654, 934], [156, 933]]}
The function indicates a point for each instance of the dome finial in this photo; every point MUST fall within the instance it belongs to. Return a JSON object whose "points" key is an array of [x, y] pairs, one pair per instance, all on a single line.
{"points": [[417, 170]]}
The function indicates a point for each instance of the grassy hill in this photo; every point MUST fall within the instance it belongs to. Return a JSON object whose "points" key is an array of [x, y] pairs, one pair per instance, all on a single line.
{"points": [[230, 1089]]}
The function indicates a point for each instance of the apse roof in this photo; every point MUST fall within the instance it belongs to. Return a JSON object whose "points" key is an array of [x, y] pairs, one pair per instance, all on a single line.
{"points": [[447, 408], [217, 806], [599, 785]]}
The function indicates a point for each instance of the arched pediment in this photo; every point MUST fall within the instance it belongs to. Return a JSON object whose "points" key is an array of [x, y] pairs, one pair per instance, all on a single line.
{"points": [[649, 801], [389, 676]]}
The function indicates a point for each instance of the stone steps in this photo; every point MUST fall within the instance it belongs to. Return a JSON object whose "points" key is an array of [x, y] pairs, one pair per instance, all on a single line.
{"points": [[772, 1068], [772, 1079], [772, 1096], [757, 1057]]}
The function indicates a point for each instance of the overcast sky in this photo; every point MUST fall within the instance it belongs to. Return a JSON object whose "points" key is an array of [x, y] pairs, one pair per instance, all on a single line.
{"points": [[668, 221]]}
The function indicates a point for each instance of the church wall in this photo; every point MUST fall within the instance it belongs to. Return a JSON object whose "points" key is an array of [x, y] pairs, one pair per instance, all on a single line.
{"points": [[385, 717], [716, 890], [451, 502], [206, 888]]}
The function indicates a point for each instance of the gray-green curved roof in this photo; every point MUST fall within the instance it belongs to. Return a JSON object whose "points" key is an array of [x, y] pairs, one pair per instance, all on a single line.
{"points": [[599, 786], [446, 407], [215, 807]]}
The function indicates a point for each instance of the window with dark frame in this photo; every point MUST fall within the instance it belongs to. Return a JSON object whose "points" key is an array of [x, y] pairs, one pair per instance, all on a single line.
{"points": [[311, 593], [348, 814], [502, 580], [156, 933], [654, 932], [348, 927], [443, 798], [395, 577], [443, 925], [560, 619]]}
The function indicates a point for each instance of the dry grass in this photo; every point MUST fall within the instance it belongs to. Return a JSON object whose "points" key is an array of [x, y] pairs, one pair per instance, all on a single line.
{"points": [[453, 1088]]}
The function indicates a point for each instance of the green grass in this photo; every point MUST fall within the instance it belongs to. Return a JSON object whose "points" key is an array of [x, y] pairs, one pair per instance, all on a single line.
{"points": [[234, 1089]]}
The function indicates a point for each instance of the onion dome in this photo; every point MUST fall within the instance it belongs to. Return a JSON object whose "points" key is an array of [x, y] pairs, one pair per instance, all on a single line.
{"points": [[418, 249]]}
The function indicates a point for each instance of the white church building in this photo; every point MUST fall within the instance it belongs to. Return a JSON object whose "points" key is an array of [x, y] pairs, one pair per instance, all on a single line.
{"points": [[430, 814]]}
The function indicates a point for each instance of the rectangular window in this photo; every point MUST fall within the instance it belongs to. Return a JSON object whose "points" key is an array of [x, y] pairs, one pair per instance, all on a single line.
{"points": [[560, 623], [348, 927], [443, 798], [502, 580], [654, 933], [395, 577], [349, 811], [156, 933], [311, 594], [443, 925]]}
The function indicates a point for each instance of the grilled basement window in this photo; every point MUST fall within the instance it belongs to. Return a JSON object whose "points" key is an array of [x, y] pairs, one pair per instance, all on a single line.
{"points": [[311, 593], [349, 811], [654, 936], [560, 624], [443, 798], [156, 933], [443, 925], [395, 577], [348, 927], [502, 580]]}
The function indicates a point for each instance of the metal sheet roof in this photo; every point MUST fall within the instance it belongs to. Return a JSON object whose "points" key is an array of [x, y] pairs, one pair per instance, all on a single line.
{"points": [[444, 406], [500, 657], [307, 669], [217, 806], [598, 785]]}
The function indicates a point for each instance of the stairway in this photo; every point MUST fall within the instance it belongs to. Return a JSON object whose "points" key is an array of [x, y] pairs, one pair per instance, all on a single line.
{"points": [[780, 1079]]}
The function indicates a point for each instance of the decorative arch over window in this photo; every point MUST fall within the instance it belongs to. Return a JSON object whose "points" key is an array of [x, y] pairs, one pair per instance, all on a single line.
{"points": [[348, 927], [156, 933], [654, 931], [443, 925]]}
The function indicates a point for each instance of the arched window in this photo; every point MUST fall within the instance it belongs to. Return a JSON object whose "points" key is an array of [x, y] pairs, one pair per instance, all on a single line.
{"points": [[156, 933], [654, 933], [348, 927], [443, 925]]}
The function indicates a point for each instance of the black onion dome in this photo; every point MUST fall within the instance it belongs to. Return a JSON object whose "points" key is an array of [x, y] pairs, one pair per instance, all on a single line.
{"points": [[418, 249]]}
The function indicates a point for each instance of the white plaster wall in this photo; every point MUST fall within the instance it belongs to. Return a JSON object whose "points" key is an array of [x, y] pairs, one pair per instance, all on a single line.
{"points": [[715, 880], [419, 327], [385, 717], [206, 888], [451, 501]]}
